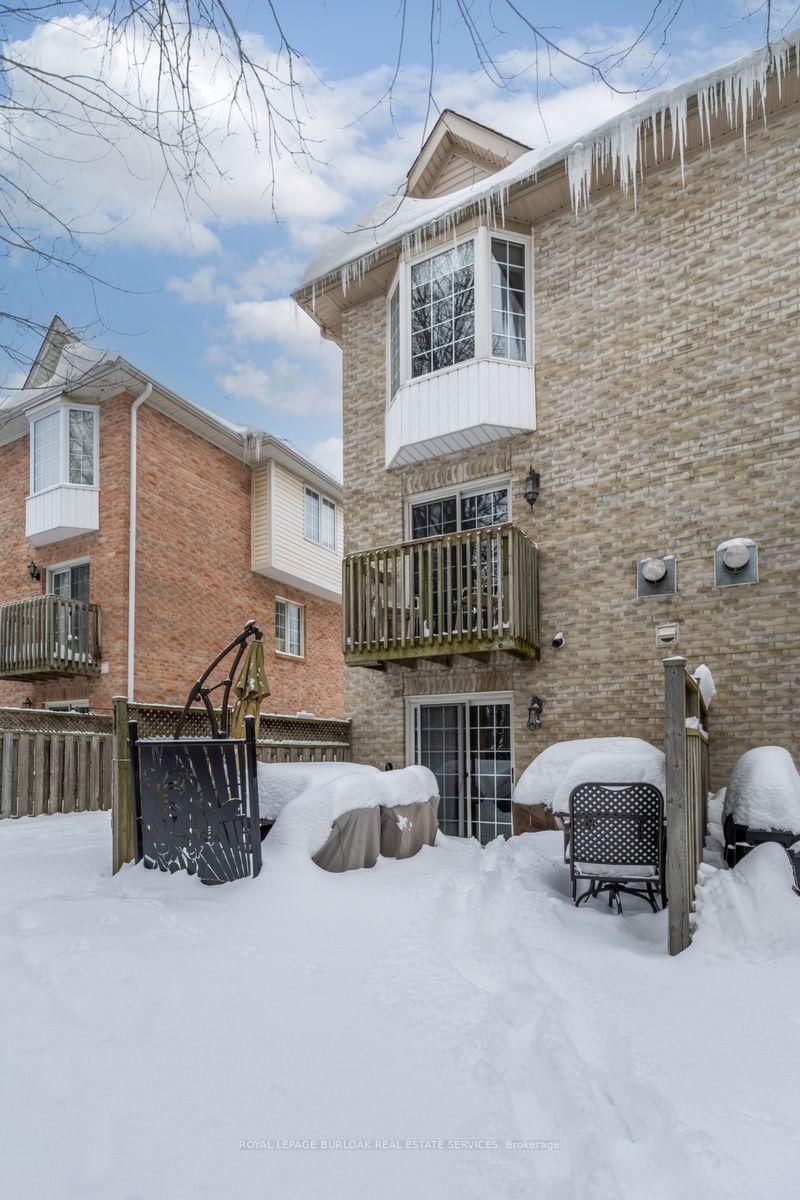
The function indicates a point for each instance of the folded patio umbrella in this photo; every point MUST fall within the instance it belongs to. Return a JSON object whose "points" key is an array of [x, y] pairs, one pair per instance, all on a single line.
{"points": [[251, 688]]}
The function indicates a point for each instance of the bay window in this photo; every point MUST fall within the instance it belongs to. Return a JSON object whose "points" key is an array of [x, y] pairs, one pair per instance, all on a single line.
{"points": [[465, 302], [64, 446]]}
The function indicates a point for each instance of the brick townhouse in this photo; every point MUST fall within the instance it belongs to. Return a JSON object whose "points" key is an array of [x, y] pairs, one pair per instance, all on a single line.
{"points": [[121, 580], [571, 436]]}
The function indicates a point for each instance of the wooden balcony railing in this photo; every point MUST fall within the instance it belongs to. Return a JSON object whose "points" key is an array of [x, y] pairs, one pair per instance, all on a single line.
{"points": [[463, 593], [49, 635]]}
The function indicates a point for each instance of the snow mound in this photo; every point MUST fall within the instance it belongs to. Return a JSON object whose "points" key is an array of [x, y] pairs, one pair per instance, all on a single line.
{"points": [[278, 783], [551, 776], [305, 823], [705, 682], [764, 791], [752, 911]]}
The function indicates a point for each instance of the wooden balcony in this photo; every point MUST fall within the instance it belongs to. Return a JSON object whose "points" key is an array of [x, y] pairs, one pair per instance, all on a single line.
{"points": [[464, 593], [49, 635]]}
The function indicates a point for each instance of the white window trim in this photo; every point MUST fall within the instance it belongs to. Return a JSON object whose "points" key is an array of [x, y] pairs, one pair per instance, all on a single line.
{"points": [[287, 653], [482, 237], [473, 488], [318, 541], [62, 705], [64, 408], [54, 568]]}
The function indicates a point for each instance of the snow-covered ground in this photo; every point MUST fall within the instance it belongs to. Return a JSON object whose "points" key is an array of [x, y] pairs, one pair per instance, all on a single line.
{"points": [[160, 1039]]}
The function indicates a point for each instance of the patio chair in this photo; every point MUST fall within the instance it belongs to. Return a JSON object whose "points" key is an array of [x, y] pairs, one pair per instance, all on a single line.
{"points": [[617, 841]]}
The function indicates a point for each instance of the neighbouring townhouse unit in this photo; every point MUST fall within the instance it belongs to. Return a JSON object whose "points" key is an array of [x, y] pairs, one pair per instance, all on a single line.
{"points": [[139, 532], [572, 435]]}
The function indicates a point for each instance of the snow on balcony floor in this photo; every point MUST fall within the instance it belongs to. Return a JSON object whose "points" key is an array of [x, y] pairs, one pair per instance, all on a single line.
{"points": [[151, 1026]]}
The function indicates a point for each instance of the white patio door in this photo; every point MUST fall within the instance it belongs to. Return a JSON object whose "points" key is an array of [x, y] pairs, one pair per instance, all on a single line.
{"points": [[468, 745]]}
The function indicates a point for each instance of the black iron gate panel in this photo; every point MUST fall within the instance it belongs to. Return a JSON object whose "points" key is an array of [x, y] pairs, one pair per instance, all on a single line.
{"points": [[197, 805]]}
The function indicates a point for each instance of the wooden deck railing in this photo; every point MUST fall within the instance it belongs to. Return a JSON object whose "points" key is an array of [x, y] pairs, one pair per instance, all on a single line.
{"points": [[687, 773], [49, 635], [463, 593]]}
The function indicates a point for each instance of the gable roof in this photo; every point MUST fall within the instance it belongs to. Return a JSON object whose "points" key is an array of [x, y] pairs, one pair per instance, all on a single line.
{"points": [[666, 125], [64, 366], [456, 139]]}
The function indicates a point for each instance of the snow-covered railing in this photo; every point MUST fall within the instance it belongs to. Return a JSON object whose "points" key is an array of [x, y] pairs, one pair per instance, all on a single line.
{"points": [[687, 778]]}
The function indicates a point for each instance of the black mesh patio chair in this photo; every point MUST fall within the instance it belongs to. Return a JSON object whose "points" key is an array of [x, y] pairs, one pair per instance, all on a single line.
{"points": [[617, 841], [197, 804]]}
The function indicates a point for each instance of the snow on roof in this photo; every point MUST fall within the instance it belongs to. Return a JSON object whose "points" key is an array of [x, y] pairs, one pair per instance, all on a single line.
{"points": [[736, 92], [764, 791]]}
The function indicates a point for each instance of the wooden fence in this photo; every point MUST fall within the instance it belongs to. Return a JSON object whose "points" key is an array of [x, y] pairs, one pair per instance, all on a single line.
{"points": [[687, 781], [279, 739], [53, 763]]}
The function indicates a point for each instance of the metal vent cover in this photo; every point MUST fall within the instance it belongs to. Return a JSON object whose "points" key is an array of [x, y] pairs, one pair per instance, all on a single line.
{"points": [[736, 562], [666, 586]]}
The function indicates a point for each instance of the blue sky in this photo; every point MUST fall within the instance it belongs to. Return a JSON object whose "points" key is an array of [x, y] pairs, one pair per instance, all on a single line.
{"points": [[203, 304]]}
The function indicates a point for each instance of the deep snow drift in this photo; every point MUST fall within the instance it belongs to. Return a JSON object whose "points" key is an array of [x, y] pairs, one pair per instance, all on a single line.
{"points": [[165, 1040], [764, 790]]}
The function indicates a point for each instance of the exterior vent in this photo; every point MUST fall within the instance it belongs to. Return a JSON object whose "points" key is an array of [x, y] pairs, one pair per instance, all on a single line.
{"points": [[735, 562], [656, 576]]}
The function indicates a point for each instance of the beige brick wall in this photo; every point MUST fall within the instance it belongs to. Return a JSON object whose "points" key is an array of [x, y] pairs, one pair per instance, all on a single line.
{"points": [[667, 369], [195, 586]]}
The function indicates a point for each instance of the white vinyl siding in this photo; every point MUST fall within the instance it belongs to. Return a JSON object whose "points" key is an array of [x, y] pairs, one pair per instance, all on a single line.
{"points": [[280, 547], [458, 172]]}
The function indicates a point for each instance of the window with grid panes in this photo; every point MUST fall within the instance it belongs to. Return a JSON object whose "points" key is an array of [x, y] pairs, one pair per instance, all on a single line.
{"points": [[508, 300], [443, 309]]}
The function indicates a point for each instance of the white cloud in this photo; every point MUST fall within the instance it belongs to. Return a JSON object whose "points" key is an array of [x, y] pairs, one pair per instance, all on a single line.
{"points": [[285, 386], [328, 455], [201, 287], [278, 321]]}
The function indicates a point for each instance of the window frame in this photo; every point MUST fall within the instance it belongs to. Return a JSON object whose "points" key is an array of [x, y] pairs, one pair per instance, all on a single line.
{"points": [[63, 409], [322, 500], [482, 236], [461, 492], [57, 568], [301, 608]]}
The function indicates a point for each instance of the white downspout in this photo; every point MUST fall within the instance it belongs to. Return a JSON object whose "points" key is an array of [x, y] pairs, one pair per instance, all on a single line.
{"points": [[145, 395]]}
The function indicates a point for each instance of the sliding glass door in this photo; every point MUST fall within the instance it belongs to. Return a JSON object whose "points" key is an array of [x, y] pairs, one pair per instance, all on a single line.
{"points": [[468, 746]]}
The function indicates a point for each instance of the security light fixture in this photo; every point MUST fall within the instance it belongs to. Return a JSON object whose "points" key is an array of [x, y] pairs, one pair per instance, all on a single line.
{"points": [[532, 487], [534, 713], [34, 571]]}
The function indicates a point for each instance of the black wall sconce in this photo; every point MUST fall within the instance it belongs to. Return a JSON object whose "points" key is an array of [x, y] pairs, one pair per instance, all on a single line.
{"points": [[34, 571], [27, 702], [535, 713], [532, 487]]}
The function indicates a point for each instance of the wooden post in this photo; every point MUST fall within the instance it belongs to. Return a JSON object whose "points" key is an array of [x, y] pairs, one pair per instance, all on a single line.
{"points": [[678, 889], [123, 817]]}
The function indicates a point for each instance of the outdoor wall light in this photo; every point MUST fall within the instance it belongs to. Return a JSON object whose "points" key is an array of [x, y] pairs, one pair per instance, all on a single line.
{"points": [[27, 702], [532, 487], [34, 571], [534, 713]]}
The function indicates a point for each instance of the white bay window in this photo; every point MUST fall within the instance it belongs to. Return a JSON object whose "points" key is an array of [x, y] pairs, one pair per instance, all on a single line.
{"points": [[64, 473], [459, 347]]}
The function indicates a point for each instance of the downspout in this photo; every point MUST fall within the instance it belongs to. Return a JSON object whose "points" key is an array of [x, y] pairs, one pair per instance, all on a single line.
{"points": [[145, 394]]}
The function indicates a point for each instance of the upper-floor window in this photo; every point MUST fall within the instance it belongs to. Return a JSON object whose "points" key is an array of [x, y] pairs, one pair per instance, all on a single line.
{"points": [[468, 301], [443, 309], [320, 519], [473, 508], [70, 581], [64, 448]]}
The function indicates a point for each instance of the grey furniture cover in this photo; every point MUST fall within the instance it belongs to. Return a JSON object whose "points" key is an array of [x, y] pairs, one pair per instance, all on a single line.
{"points": [[360, 835]]}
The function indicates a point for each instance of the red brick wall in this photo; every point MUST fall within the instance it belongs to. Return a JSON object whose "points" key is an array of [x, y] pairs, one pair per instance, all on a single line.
{"points": [[195, 587]]}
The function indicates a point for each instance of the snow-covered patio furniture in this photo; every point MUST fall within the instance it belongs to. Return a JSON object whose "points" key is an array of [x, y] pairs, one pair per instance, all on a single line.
{"points": [[762, 802], [617, 841]]}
